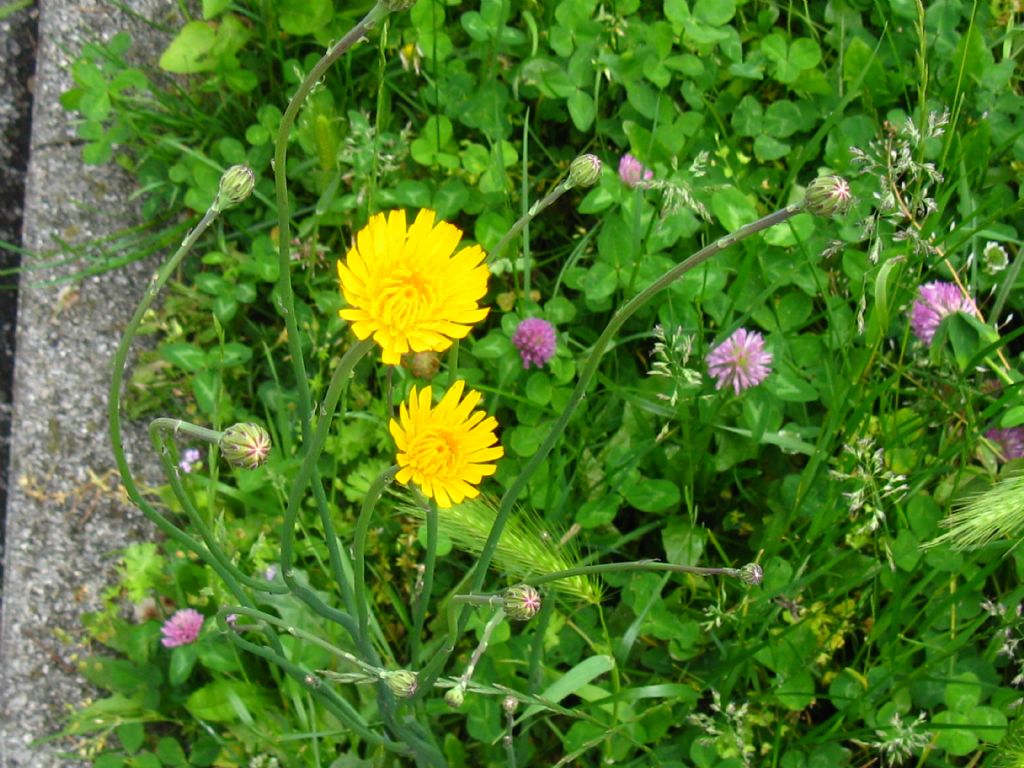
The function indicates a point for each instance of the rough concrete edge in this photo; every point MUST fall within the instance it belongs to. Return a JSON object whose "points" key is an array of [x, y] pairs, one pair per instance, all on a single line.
{"points": [[17, 66], [65, 520]]}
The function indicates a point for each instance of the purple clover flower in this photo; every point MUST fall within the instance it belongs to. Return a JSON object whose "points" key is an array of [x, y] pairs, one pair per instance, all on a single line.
{"points": [[535, 340], [740, 361], [935, 301], [182, 628], [632, 171], [1009, 440]]}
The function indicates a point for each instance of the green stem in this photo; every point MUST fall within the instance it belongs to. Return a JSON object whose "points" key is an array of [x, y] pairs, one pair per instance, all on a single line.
{"points": [[287, 297], [525, 196], [1000, 371], [423, 599], [309, 637], [625, 312], [535, 677], [475, 600], [635, 565], [313, 449], [121, 356], [175, 427], [527, 217], [509, 739], [637, 204], [338, 706], [481, 648], [286, 294], [230, 573], [374, 493], [117, 386]]}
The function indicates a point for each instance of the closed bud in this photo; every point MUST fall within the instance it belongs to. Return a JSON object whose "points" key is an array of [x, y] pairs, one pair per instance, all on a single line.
{"points": [[455, 697], [394, 6], [521, 602], [510, 704], [752, 574], [400, 682], [245, 446], [423, 365], [236, 184], [828, 195], [585, 171]]}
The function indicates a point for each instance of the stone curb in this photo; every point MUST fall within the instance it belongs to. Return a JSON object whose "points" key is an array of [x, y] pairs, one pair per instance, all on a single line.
{"points": [[65, 518]]}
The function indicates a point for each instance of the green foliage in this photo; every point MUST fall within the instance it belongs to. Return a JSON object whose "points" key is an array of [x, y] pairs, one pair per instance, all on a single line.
{"points": [[862, 644]]}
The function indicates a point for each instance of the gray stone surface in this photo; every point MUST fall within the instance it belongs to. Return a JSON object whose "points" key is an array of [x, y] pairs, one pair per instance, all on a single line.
{"points": [[17, 64], [65, 518]]}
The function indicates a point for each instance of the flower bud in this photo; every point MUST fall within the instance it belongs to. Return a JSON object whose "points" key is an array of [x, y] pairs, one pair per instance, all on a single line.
{"points": [[585, 171], [752, 574], [400, 682], [828, 195], [423, 365], [510, 704], [455, 697], [521, 602], [236, 185], [245, 446], [394, 6]]}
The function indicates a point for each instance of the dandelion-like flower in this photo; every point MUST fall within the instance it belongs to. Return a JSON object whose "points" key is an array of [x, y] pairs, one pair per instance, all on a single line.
{"points": [[407, 290], [740, 361], [1009, 440], [182, 628], [935, 301], [535, 340], [632, 171], [448, 450]]}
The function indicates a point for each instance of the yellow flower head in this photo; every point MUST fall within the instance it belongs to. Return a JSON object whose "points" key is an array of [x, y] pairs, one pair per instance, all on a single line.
{"points": [[405, 287], [445, 450]]}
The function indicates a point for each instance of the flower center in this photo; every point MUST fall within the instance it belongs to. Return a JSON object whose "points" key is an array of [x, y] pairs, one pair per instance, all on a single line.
{"points": [[405, 297], [436, 453]]}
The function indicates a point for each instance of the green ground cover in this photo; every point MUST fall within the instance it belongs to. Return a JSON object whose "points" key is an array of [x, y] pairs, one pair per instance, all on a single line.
{"points": [[877, 390]]}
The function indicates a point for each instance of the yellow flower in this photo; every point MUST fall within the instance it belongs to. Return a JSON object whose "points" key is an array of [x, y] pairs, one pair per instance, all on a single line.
{"points": [[407, 289], [445, 450]]}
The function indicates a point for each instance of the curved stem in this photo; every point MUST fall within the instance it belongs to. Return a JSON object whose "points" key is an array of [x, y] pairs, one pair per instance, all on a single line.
{"points": [[174, 427], [423, 599], [374, 493], [313, 449], [338, 706], [635, 565], [309, 637], [623, 314], [527, 217], [229, 572], [287, 309], [121, 356], [287, 297], [115, 429]]}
